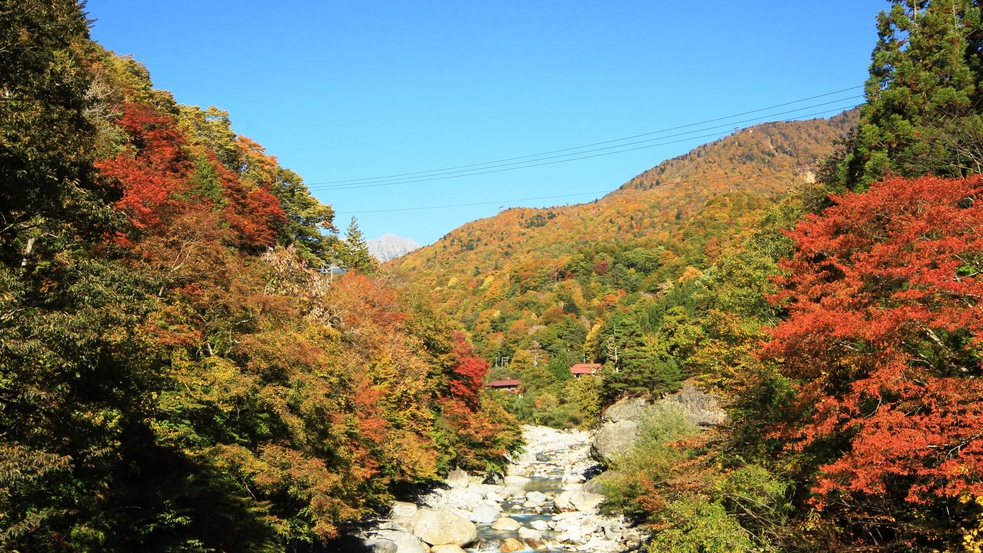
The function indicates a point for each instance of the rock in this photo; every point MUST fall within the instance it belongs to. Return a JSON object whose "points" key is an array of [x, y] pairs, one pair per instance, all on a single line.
{"points": [[402, 510], [630, 409], [485, 514], [494, 479], [463, 498], [446, 549], [514, 491], [542, 457], [538, 498], [376, 545], [405, 543], [540, 525], [614, 439], [506, 524], [442, 528], [497, 497], [457, 478], [529, 534], [512, 544], [577, 499], [517, 481], [701, 408]]}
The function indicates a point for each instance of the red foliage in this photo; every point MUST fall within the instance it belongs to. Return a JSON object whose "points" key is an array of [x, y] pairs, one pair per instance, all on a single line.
{"points": [[883, 338], [154, 171], [468, 374]]}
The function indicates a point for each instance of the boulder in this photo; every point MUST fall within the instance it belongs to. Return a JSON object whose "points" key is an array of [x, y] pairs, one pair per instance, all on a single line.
{"points": [[516, 481], [578, 499], [378, 545], [485, 514], [405, 543], [457, 478], [443, 528], [630, 409], [700, 408], [402, 510], [512, 544], [614, 439], [446, 549], [506, 524]]}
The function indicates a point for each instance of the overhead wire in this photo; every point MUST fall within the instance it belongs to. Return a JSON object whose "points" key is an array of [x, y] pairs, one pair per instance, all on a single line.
{"points": [[582, 152], [514, 201]]}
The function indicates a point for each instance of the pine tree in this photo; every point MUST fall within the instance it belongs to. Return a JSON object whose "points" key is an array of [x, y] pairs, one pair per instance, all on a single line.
{"points": [[923, 110], [354, 255]]}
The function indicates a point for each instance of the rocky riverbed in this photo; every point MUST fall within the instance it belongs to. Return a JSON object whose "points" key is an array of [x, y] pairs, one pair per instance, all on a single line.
{"points": [[546, 502]]}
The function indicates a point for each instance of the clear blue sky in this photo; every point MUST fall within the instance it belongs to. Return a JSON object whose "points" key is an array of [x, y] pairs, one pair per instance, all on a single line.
{"points": [[345, 91]]}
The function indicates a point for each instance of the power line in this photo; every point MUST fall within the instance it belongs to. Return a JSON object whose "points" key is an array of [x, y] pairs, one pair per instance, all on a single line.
{"points": [[502, 203], [532, 160], [585, 154]]}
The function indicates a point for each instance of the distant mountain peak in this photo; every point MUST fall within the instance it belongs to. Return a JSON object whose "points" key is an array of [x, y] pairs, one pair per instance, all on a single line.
{"points": [[390, 246]]}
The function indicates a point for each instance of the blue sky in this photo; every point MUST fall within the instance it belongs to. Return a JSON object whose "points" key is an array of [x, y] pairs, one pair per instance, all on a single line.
{"points": [[345, 92]]}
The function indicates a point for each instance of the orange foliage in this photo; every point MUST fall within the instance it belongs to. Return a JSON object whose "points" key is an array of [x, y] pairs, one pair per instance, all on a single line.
{"points": [[883, 336]]}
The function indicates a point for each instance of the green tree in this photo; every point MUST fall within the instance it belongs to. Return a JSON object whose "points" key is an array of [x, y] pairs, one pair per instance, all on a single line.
{"points": [[923, 109], [354, 254], [46, 173]]}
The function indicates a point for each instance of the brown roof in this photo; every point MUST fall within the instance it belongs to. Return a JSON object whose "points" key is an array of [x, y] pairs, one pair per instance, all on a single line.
{"points": [[585, 368]]}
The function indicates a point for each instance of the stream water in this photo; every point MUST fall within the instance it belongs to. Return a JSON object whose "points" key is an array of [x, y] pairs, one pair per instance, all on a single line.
{"points": [[489, 539]]}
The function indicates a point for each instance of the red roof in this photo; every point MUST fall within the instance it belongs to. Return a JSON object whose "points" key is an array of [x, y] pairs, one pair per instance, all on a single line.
{"points": [[503, 384], [585, 368]]}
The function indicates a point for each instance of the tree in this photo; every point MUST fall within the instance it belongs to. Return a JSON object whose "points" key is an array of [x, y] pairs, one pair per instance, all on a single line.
{"points": [[882, 345], [923, 109], [354, 254], [46, 174]]}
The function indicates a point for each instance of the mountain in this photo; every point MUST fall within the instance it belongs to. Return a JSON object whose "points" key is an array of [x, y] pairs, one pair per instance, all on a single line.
{"points": [[529, 277], [390, 246]]}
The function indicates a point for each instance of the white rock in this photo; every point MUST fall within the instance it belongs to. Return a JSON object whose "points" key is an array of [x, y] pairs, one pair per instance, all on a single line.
{"points": [[506, 524], [457, 478], [443, 528], [540, 525], [485, 514], [405, 543], [517, 481]]}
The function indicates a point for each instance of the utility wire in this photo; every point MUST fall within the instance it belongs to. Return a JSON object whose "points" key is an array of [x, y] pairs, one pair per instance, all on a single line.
{"points": [[586, 154], [478, 168], [505, 202]]}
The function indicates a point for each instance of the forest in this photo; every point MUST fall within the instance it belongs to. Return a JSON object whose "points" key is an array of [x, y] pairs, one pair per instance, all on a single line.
{"points": [[181, 369], [178, 371]]}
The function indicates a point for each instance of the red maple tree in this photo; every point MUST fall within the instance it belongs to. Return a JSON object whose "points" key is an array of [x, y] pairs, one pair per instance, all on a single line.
{"points": [[882, 341]]}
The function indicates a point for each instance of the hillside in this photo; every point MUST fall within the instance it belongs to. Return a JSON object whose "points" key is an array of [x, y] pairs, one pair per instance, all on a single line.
{"points": [[762, 161], [507, 275]]}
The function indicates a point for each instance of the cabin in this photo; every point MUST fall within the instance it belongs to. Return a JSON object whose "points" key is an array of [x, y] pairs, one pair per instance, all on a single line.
{"points": [[580, 369], [511, 386]]}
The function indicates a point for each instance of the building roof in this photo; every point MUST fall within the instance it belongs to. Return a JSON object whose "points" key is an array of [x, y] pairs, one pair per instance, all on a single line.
{"points": [[585, 368]]}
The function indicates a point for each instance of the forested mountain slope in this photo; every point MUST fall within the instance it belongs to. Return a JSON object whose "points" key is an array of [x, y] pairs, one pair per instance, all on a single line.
{"points": [[526, 269], [761, 161]]}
